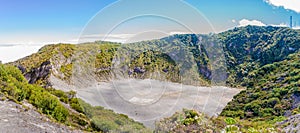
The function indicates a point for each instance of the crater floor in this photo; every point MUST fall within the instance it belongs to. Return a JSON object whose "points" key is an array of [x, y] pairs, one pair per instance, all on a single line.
{"points": [[149, 100]]}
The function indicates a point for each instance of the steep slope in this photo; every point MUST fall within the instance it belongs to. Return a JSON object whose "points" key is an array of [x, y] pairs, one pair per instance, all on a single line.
{"points": [[267, 64], [238, 51], [251, 47], [23, 118], [273, 90], [59, 60], [193, 121], [264, 60], [292, 124], [15, 87], [51, 59], [60, 107]]}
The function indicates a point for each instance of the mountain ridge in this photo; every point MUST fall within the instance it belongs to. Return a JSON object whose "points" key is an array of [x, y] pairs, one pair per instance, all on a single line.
{"points": [[233, 57]]}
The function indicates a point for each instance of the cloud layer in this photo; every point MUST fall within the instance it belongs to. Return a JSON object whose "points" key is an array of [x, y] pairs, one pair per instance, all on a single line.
{"points": [[286, 4], [245, 22], [11, 53]]}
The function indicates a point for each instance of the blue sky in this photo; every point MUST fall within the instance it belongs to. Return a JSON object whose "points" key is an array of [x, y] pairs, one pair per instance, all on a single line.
{"points": [[37, 22]]}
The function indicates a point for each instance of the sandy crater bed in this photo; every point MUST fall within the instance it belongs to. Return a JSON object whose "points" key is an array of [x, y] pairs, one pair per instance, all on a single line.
{"points": [[148, 100]]}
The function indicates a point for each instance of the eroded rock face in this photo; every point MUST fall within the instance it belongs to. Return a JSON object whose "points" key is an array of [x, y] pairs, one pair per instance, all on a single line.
{"points": [[205, 72], [293, 124], [296, 100], [139, 70], [21, 68], [165, 70], [37, 73]]}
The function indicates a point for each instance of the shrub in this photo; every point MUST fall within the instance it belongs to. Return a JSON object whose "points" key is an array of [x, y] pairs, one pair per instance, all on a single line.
{"points": [[76, 105], [17, 88], [252, 107], [230, 121], [60, 113], [104, 126]]}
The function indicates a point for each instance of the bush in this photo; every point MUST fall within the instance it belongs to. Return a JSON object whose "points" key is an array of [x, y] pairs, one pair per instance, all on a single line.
{"points": [[15, 86], [49, 105], [230, 121], [107, 120], [77, 119], [272, 102], [266, 112], [60, 113], [104, 126], [76, 105], [253, 108]]}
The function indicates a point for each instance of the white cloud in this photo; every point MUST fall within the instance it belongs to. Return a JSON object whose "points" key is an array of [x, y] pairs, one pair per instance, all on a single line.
{"points": [[105, 37], [245, 22], [35, 43], [14, 52], [125, 38], [297, 28], [285, 25], [279, 25], [179, 32], [286, 4], [233, 21]]}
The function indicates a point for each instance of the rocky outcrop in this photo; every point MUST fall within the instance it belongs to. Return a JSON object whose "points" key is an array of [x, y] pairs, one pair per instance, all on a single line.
{"points": [[36, 74], [296, 100], [165, 70], [139, 70], [21, 68], [291, 125], [203, 70], [136, 70]]}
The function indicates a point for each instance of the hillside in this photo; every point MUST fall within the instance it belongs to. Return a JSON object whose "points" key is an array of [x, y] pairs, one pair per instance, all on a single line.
{"points": [[272, 93], [263, 60], [24, 118], [193, 121], [249, 48], [229, 56], [55, 106], [267, 64]]}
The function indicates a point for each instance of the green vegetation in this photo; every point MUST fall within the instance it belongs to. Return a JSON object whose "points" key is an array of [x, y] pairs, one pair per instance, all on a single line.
{"points": [[187, 121], [49, 102], [45, 54], [251, 47], [106, 120], [270, 91], [105, 56], [268, 65], [245, 49], [154, 61], [263, 60], [192, 121], [67, 70], [55, 54], [15, 87]]}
